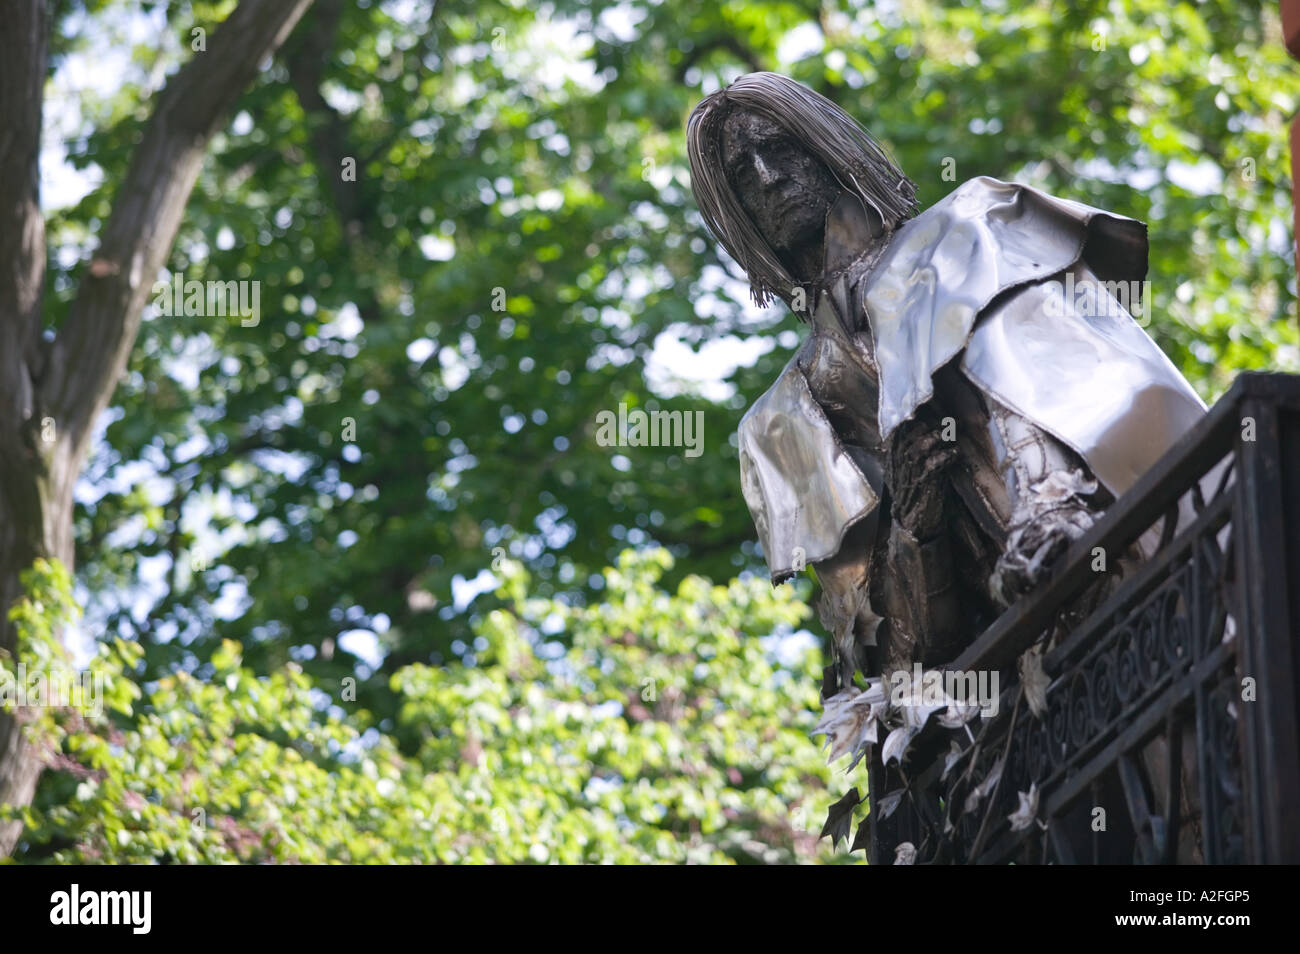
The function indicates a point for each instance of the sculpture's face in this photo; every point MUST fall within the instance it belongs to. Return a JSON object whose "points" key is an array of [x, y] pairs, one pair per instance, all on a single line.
{"points": [[785, 189]]}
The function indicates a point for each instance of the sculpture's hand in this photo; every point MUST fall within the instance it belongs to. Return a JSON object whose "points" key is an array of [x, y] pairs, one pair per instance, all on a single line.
{"points": [[917, 459], [1049, 516]]}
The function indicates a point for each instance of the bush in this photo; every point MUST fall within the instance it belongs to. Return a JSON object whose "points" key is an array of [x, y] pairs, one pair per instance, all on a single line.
{"points": [[652, 727]]}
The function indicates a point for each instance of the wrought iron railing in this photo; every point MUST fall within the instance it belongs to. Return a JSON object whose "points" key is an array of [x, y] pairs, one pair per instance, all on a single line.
{"points": [[1170, 732]]}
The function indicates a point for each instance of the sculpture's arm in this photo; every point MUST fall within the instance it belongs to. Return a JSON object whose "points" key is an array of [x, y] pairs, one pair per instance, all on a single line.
{"points": [[892, 584], [925, 618], [920, 597], [845, 606]]}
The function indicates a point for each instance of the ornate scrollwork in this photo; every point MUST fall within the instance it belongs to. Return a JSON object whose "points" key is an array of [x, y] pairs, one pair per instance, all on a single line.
{"points": [[1144, 713], [1146, 637]]}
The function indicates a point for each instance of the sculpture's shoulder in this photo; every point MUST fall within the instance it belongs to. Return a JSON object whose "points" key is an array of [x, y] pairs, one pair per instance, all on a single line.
{"points": [[980, 191], [1000, 214], [944, 267], [828, 371], [802, 487], [781, 395], [973, 199]]}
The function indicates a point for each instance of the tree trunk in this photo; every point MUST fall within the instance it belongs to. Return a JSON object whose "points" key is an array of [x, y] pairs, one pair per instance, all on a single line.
{"points": [[52, 391], [24, 37]]}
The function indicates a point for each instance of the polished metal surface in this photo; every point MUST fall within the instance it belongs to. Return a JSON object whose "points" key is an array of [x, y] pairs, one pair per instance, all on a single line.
{"points": [[802, 487], [1088, 376], [1091, 377], [945, 266]]}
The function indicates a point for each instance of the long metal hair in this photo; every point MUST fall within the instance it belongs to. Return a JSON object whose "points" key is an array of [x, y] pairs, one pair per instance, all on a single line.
{"points": [[861, 165]]}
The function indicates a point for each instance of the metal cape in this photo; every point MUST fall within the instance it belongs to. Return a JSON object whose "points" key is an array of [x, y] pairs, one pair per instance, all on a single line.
{"points": [[1091, 377], [789, 454]]}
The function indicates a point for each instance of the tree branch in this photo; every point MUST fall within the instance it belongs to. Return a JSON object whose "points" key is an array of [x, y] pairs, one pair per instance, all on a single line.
{"points": [[24, 38], [91, 351], [327, 129], [723, 41], [329, 135]]}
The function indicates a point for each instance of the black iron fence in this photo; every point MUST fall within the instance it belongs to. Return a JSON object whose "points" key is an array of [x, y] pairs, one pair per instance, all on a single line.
{"points": [[1169, 729]]}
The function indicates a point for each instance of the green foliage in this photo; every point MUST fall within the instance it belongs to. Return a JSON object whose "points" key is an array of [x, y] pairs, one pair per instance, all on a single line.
{"points": [[41, 618], [39, 671], [536, 153], [539, 151], [669, 730]]}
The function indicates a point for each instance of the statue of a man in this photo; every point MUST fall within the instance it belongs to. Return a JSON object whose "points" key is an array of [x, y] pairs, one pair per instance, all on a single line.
{"points": [[960, 410]]}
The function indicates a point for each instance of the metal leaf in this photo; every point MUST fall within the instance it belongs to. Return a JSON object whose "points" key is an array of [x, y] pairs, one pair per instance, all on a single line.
{"points": [[888, 803], [1034, 680], [839, 820], [1024, 815]]}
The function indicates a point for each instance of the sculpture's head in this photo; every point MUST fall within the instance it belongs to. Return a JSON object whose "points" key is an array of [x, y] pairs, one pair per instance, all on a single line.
{"points": [[769, 157], [784, 189]]}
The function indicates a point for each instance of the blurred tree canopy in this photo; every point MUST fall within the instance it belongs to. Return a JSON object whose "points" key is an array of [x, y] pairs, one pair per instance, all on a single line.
{"points": [[654, 727], [439, 331], [534, 156]]}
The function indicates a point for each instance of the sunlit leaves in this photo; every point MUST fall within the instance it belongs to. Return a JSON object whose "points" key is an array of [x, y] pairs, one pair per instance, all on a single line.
{"points": [[668, 731]]}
